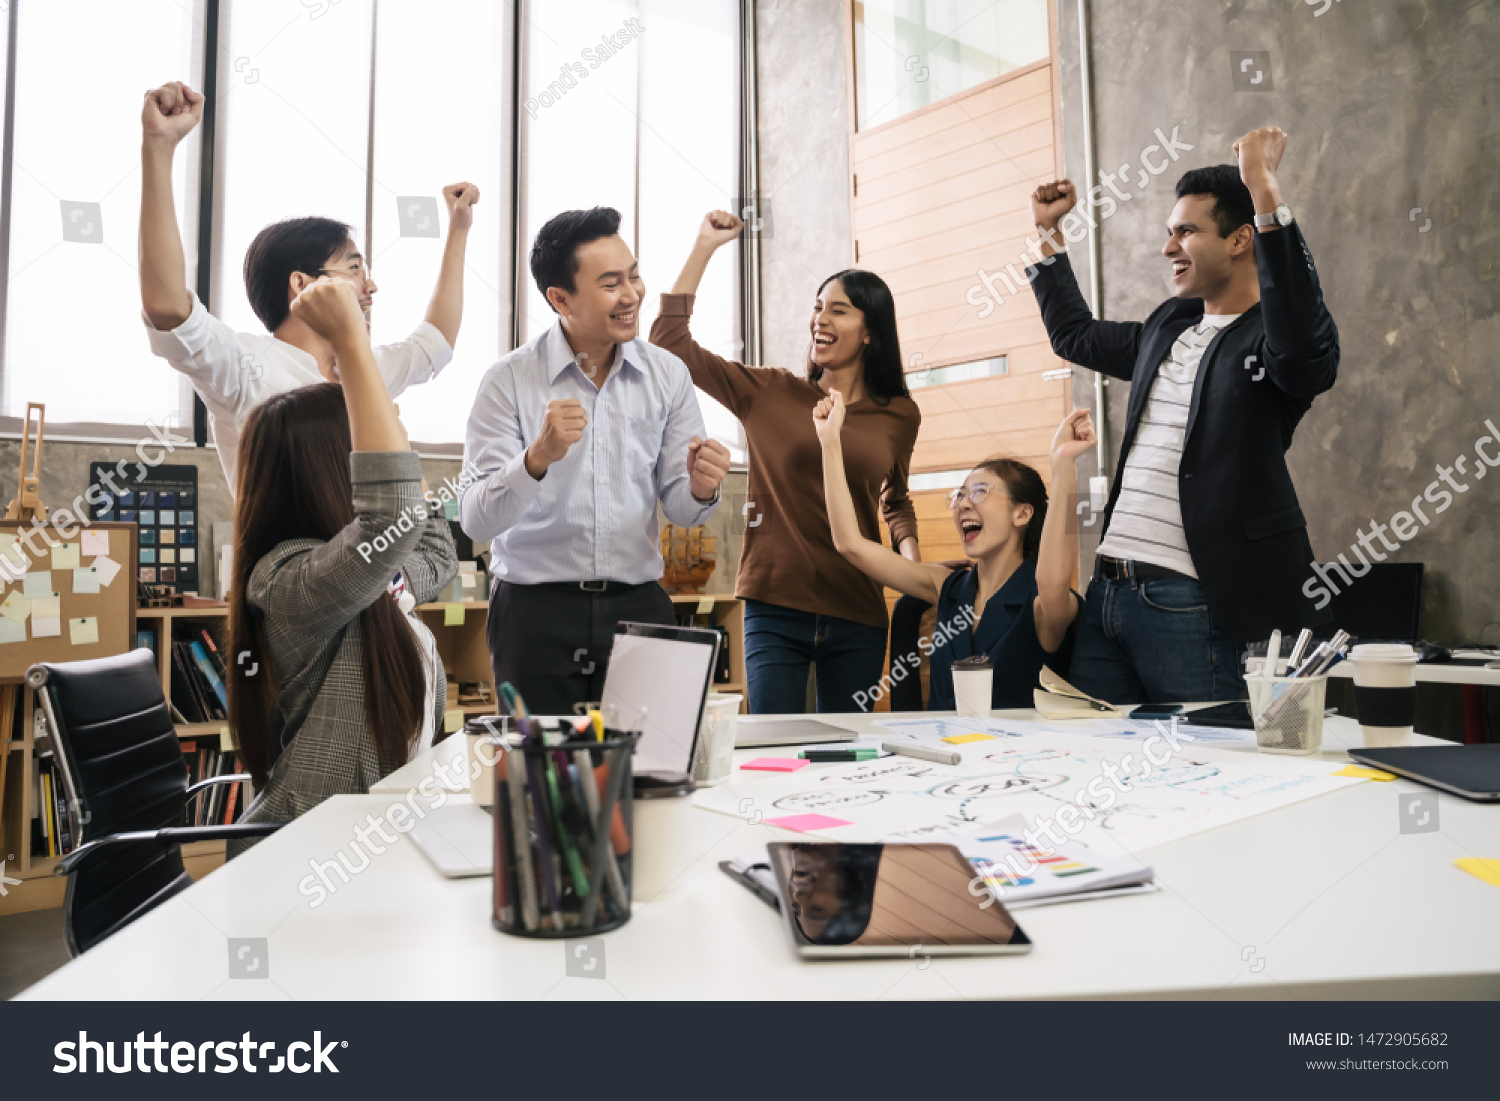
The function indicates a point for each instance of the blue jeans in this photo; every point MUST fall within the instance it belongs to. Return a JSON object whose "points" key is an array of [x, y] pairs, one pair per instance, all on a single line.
{"points": [[1154, 642], [780, 643]]}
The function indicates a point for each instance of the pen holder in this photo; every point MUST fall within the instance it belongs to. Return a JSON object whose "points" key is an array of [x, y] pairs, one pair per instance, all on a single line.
{"points": [[563, 837], [1288, 713]]}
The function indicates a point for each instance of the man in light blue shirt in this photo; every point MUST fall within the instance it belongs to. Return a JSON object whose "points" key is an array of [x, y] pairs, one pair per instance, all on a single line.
{"points": [[576, 436]]}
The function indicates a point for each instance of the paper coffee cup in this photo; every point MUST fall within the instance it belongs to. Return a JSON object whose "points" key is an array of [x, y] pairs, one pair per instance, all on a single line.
{"points": [[1385, 692], [661, 833], [973, 680]]}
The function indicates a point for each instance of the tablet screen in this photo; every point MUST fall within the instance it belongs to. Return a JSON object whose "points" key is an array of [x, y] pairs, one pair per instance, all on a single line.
{"points": [[886, 899]]}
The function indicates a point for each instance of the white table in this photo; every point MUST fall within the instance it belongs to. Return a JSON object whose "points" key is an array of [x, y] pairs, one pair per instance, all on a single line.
{"points": [[1321, 899]]}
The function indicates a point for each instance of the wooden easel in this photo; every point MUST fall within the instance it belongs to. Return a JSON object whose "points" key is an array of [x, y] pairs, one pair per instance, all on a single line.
{"points": [[27, 504]]}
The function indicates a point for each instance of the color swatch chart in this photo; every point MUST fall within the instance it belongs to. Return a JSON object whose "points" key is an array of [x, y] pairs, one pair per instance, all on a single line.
{"points": [[163, 503]]}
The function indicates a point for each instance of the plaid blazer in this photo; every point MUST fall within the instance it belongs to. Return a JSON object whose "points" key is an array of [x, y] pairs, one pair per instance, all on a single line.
{"points": [[310, 594]]}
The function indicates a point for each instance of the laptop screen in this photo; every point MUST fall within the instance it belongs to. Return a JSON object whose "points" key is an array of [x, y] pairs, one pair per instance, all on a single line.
{"points": [[658, 682], [1385, 603]]}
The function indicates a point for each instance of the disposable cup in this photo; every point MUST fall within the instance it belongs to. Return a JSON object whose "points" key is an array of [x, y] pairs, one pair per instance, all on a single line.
{"points": [[971, 690], [1385, 692]]}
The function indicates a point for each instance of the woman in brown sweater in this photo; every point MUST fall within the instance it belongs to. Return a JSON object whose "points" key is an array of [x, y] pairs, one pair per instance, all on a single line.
{"points": [[804, 602]]}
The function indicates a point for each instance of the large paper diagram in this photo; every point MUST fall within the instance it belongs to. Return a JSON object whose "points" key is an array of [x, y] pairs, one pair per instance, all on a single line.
{"points": [[1120, 799]]}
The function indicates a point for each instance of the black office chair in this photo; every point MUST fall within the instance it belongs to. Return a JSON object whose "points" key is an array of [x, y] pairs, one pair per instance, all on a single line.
{"points": [[126, 789]]}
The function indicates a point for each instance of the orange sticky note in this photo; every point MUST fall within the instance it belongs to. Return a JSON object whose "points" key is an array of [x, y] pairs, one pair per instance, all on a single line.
{"points": [[964, 739]]}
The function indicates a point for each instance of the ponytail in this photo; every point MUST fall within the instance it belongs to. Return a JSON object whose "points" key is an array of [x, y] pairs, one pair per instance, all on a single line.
{"points": [[1025, 487]]}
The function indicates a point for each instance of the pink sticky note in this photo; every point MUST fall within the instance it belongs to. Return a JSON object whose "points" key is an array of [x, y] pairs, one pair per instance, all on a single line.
{"points": [[806, 823], [775, 764]]}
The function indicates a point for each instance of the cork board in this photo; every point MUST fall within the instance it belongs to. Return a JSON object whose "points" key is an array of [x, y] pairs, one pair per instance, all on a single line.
{"points": [[110, 612]]}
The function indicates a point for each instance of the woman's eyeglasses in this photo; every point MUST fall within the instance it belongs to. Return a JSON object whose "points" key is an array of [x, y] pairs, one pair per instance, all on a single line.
{"points": [[975, 493]]}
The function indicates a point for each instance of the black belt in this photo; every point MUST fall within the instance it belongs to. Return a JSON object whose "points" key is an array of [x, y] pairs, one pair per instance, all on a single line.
{"points": [[601, 586], [1123, 569]]}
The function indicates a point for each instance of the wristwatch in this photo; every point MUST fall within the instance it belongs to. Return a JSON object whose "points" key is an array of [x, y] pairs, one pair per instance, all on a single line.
{"points": [[1281, 216], [718, 492]]}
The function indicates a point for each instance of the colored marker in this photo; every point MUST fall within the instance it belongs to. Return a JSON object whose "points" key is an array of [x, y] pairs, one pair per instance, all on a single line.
{"points": [[860, 753], [922, 753]]}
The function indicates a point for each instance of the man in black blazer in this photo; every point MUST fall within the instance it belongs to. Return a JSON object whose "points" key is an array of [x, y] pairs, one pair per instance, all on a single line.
{"points": [[1205, 546]]}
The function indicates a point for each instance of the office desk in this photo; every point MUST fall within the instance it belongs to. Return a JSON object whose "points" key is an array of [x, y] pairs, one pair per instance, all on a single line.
{"points": [[1321, 899]]}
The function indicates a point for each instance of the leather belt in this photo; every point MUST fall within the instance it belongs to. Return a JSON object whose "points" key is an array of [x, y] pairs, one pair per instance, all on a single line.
{"points": [[600, 586], [1124, 569]]}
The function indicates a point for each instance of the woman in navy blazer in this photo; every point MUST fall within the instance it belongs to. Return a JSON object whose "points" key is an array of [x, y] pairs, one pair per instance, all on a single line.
{"points": [[1014, 603]]}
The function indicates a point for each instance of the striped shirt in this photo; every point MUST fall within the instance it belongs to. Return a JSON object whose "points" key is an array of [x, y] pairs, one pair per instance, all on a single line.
{"points": [[592, 516], [1146, 525]]}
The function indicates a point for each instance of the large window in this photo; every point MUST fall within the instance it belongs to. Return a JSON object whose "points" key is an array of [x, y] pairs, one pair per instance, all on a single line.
{"points": [[634, 104], [910, 53], [342, 108], [73, 336]]}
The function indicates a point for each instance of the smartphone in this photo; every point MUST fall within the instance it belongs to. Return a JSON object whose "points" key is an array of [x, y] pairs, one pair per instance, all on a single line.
{"points": [[1156, 711], [1236, 715]]}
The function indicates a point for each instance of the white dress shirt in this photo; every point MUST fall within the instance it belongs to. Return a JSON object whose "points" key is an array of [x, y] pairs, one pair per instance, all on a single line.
{"points": [[592, 515], [234, 372], [1146, 525]]}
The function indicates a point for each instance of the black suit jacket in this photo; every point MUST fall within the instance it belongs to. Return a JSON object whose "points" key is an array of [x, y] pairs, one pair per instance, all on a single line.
{"points": [[1244, 527]]}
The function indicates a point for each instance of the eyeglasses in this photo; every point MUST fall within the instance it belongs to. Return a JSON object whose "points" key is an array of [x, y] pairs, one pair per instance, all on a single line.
{"points": [[975, 493], [360, 273]]}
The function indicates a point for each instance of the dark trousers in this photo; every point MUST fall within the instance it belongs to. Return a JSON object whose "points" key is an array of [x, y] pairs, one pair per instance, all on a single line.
{"points": [[552, 642], [780, 644]]}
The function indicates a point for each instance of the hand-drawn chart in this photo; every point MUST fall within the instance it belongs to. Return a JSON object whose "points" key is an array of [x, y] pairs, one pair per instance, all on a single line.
{"points": [[1129, 792]]}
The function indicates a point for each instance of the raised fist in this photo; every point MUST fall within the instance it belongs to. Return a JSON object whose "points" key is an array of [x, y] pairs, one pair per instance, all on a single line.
{"points": [[170, 112]]}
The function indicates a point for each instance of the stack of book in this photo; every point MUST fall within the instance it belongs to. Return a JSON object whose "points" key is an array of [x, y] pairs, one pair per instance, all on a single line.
{"points": [[198, 676], [51, 833], [222, 803]]}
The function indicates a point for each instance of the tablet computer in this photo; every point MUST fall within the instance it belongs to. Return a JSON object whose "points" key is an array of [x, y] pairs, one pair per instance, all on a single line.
{"points": [[850, 900], [658, 683], [1472, 771]]}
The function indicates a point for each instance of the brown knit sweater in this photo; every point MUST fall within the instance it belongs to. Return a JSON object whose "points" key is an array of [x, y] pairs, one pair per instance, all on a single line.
{"points": [[788, 557]]}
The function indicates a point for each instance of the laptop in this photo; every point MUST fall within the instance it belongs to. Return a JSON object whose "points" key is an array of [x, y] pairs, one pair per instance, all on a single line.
{"points": [[658, 683], [1472, 771], [753, 733]]}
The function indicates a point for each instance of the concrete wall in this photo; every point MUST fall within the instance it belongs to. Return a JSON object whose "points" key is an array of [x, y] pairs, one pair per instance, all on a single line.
{"points": [[1391, 105]]}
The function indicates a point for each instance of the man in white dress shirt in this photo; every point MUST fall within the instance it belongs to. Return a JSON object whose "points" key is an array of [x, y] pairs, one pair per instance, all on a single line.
{"points": [[576, 436], [234, 372]]}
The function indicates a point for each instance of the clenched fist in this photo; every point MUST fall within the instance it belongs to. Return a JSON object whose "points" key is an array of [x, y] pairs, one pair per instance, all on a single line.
{"points": [[1259, 153], [1075, 436], [561, 429], [707, 463], [719, 228], [460, 198], [1051, 202], [170, 112], [828, 416], [330, 308]]}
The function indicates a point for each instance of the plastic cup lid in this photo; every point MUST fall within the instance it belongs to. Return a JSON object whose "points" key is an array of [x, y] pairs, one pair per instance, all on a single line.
{"points": [[1383, 651]]}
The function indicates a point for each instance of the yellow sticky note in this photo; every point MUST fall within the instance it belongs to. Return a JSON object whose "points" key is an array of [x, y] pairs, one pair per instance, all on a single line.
{"points": [[47, 607], [964, 739], [706, 605], [1481, 868], [65, 557], [16, 607], [453, 615], [453, 720], [1357, 773], [83, 632]]}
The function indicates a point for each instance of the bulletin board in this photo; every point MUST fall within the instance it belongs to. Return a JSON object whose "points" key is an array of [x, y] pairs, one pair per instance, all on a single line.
{"points": [[89, 624]]}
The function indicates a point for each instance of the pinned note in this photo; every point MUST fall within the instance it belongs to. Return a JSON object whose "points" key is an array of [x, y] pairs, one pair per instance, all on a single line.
{"points": [[706, 605], [453, 615], [11, 549], [46, 628], [15, 607], [453, 720], [95, 543], [1481, 868], [806, 823], [965, 739], [775, 764], [1356, 773], [83, 632], [36, 584], [46, 607], [11, 631], [85, 580], [107, 568], [65, 557]]}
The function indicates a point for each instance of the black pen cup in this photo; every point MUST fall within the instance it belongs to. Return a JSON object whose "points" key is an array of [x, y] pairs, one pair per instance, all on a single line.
{"points": [[564, 835]]}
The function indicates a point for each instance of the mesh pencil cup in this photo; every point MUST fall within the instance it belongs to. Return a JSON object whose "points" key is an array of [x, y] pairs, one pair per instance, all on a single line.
{"points": [[563, 836], [1288, 713], [713, 758]]}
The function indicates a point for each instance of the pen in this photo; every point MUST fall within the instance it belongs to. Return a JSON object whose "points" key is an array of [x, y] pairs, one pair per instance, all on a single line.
{"points": [[1273, 652], [922, 753], [860, 753], [1299, 648]]}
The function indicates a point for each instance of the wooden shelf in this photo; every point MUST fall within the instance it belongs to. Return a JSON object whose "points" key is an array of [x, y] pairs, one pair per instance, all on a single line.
{"points": [[466, 604], [201, 730], [182, 613]]}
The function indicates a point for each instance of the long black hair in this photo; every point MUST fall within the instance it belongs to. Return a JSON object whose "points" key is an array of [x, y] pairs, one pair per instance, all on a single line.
{"points": [[1025, 487], [884, 376]]}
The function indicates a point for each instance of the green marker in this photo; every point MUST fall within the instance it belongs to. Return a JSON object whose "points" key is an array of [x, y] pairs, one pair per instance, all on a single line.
{"points": [[858, 753]]}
